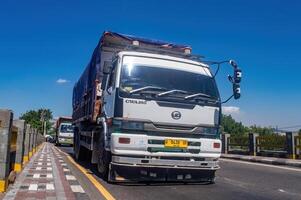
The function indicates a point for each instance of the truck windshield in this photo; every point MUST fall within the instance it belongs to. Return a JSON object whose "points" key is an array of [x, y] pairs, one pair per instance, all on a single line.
{"points": [[66, 128], [134, 77]]}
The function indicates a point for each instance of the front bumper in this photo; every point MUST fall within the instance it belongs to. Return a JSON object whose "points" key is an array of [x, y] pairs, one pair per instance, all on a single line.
{"points": [[166, 162], [136, 173], [64, 140]]}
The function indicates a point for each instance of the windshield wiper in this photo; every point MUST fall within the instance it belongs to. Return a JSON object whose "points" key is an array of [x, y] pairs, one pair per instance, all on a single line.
{"points": [[171, 91], [198, 95], [146, 88]]}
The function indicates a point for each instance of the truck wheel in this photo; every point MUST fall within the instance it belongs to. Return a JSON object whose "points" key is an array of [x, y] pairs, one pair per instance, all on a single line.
{"points": [[103, 161], [78, 150]]}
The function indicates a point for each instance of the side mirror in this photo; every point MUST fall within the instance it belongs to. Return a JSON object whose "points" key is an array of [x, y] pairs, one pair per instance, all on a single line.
{"points": [[236, 90], [107, 67], [237, 75]]}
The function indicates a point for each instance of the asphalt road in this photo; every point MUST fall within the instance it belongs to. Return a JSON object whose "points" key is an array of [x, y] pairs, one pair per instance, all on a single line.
{"points": [[235, 180]]}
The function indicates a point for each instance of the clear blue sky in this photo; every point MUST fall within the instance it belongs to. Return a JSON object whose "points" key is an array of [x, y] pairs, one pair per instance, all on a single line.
{"points": [[43, 41]]}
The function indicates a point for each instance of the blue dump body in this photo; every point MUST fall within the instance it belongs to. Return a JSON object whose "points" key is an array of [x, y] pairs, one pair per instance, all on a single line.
{"points": [[84, 103]]}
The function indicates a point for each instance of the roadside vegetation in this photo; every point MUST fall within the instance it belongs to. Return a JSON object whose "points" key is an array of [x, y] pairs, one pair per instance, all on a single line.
{"points": [[38, 118], [229, 125]]}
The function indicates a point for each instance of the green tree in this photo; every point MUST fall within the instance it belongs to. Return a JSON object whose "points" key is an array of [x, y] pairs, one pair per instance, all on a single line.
{"points": [[261, 130], [229, 125], [36, 117], [299, 131]]}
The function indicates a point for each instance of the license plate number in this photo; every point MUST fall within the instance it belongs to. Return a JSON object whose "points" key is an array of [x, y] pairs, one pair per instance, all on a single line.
{"points": [[176, 143]]}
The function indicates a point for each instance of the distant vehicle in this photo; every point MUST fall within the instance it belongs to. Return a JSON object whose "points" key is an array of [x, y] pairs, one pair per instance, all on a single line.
{"points": [[64, 131], [49, 138], [149, 110]]}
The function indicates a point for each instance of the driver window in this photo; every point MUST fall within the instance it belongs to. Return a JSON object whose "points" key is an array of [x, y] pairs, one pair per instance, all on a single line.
{"points": [[113, 76]]}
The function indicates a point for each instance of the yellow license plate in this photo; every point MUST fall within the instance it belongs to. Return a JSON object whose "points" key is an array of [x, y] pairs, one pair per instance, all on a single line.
{"points": [[176, 143]]}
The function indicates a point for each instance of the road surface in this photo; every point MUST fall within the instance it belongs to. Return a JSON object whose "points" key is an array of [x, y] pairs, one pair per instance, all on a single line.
{"points": [[235, 180]]}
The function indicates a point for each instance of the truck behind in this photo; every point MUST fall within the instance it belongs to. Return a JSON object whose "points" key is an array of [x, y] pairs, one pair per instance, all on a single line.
{"points": [[64, 131]]}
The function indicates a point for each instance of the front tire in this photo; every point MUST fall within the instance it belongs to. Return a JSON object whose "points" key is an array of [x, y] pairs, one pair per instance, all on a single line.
{"points": [[104, 159]]}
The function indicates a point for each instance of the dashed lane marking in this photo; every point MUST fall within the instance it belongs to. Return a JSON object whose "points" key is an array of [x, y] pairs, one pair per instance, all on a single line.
{"points": [[36, 175], [49, 186], [33, 187], [77, 188], [70, 177]]}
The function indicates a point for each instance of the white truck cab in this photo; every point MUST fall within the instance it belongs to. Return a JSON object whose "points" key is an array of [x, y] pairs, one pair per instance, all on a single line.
{"points": [[165, 113]]}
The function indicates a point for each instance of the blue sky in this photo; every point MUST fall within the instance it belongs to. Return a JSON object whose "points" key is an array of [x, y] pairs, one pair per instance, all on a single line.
{"points": [[44, 41]]}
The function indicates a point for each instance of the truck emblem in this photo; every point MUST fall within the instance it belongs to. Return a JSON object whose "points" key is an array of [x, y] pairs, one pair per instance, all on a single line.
{"points": [[176, 115]]}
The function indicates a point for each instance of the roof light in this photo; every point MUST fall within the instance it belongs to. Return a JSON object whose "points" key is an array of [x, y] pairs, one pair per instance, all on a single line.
{"points": [[187, 51], [135, 43]]}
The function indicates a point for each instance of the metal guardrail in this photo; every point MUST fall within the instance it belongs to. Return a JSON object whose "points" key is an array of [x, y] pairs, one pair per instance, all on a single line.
{"points": [[238, 144], [271, 143], [297, 142], [286, 146]]}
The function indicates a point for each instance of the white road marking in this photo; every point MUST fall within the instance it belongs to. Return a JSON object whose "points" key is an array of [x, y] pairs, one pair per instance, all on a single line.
{"points": [[66, 170], [39, 163], [70, 177], [260, 164], [33, 187], [61, 161], [49, 176], [49, 168], [281, 190], [48, 164], [77, 188], [39, 168], [63, 164], [36, 175], [49, 186]]}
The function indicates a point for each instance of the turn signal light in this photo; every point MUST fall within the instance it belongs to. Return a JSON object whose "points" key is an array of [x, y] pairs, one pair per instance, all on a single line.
{"points": [[123, 140], [216, 145]]}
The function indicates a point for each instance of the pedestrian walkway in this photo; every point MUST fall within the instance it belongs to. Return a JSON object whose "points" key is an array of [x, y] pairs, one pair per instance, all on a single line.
{"points": [[46, 176], [265, 160]]}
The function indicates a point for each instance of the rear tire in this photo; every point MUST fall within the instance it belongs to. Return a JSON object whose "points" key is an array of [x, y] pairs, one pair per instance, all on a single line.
{"points": [[78, 150]]}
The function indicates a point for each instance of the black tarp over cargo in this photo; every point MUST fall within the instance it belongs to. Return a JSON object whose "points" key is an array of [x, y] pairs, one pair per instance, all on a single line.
{"points": [[86, 104]]}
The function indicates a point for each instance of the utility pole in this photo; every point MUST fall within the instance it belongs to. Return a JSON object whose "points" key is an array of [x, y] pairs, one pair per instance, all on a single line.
{"points": [[42, 118]]}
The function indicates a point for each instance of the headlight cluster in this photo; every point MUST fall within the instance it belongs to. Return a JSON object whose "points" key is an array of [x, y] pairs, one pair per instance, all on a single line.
{"points": [[130, 125]]}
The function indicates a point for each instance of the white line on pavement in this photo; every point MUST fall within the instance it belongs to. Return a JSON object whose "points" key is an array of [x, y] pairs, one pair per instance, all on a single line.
{"points": [[49, 186], [260, 164], [77, 188], [70, 177], [36, 176], [33, 187]]}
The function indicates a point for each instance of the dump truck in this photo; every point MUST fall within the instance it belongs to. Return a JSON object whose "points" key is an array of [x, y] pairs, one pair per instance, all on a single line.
{"points": [[147, 110], [64, 131]]}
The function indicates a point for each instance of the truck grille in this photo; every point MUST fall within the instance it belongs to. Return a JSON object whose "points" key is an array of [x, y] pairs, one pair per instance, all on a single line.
{"points": [[172, 150]]}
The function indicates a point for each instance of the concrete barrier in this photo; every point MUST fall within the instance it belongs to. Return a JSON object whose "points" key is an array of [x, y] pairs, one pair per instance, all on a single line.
{"points": [[20, 124], [31, 135], [26, 144], [6, 117]]}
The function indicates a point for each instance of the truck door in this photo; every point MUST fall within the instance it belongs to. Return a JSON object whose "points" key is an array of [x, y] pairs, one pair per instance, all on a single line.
{"points": [[110, 92]]}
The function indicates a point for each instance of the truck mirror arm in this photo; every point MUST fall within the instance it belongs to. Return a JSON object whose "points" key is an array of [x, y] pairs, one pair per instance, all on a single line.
{"points": [[235, 79]]}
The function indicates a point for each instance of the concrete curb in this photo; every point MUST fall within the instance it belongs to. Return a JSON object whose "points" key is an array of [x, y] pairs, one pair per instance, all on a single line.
{"points": [[265, 160]]}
